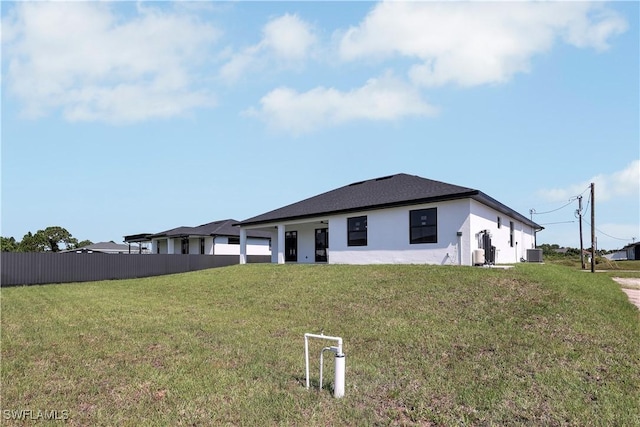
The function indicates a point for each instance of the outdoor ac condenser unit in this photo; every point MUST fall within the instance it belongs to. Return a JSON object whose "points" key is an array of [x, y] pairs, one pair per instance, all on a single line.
{"points": [[534, 255]]}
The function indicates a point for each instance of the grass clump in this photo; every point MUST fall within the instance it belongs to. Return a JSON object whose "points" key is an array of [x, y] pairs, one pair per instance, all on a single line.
{"points": [[425, 345]]}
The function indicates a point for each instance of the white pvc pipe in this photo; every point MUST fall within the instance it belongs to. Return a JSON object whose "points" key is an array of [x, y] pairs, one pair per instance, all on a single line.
{"points": [[306, 361], [338, 385], [322, 363], [338, 388], [325, 337]]}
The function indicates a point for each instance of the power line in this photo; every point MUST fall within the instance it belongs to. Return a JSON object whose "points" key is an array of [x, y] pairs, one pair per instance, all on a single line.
{"points": [[571, 200], [533, 211], [588, 202], [578, 212], [602, 232]]}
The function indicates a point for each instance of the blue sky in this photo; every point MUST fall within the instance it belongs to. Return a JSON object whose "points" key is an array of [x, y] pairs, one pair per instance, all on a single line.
{"points": [[128, 117]]}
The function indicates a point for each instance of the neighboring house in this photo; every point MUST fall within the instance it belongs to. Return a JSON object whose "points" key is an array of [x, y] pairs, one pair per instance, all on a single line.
{"points": [[633, 251], [105, 248], [215, 238], [142, 241], [395, 219], [620, 255]]}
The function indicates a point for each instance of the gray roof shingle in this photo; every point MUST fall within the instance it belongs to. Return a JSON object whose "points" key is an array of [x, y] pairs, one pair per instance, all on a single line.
{"points": [[393, 190], [226, 227]]}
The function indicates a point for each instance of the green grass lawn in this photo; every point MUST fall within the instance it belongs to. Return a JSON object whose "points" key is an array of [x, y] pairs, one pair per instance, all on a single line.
{"points": [[425, 345], [629, 267]]}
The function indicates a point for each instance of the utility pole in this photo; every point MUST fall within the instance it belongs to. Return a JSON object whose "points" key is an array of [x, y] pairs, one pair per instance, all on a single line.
{"points": [[579, 212], [535, 237], [593, 228]]}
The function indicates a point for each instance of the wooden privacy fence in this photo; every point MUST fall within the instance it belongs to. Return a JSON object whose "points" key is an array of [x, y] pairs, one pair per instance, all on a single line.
{"points": [[41, 268]]}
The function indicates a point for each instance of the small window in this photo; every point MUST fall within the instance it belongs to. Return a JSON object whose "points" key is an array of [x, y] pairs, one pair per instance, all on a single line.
{"points": [[202, 246], [423, 226], [499, 222], [185, 245], [357, 231], [234, 240]]}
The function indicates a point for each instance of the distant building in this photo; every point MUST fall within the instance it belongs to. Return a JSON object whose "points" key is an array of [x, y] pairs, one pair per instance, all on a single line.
{"points": [[620, 255], [633, 251], [214, 238], [105, 248]]}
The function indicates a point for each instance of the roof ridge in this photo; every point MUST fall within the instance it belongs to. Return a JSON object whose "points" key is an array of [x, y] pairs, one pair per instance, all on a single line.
{"points": [[383, 191]]}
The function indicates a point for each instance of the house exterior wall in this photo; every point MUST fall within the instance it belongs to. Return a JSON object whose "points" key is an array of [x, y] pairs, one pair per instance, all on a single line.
{"points": [[208, 246], [221, 246], [459, 223], [159, 246], [254, 246], [194, 245], [388, 237], [483, 217], [617, 256], [633, 251], [306, 240]]}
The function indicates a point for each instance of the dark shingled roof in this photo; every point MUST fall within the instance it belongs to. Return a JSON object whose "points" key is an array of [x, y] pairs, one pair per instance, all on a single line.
{"points": [[225, 227], [387, 191]]}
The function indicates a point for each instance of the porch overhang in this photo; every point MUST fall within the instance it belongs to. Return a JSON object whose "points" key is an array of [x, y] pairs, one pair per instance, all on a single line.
{"points": [[278, 230]]}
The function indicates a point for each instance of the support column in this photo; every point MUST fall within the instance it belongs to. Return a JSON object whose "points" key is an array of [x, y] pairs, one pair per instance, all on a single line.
{"points": [[274, 245], [243, 246], [170, 245], [280, 243]]}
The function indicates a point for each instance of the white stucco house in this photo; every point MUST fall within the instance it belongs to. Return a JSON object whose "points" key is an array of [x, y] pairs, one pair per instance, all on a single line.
{"points": [[214, 238], [397, 219]]}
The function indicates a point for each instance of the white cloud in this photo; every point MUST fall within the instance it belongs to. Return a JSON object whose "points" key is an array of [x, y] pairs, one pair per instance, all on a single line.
{"points": [[618, 184], [289, 37], [384, 98], [93, 65], [239, 64], [287, 40], [473, 43]]}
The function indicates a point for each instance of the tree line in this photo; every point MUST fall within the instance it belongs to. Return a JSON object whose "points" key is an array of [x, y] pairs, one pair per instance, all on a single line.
{"points": [[51, 239], [554, 250]]}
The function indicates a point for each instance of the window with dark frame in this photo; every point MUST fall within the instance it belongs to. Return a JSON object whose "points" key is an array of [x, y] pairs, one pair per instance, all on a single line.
{"points": [[234, 240], [291, 246], [423, 226], [202, 246], [511, 239], [185, 245], [499, 222], [357, 231]]}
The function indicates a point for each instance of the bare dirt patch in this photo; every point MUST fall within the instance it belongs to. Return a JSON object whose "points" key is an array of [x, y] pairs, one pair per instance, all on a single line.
{"points": [[631, 287], [631, 282]]}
